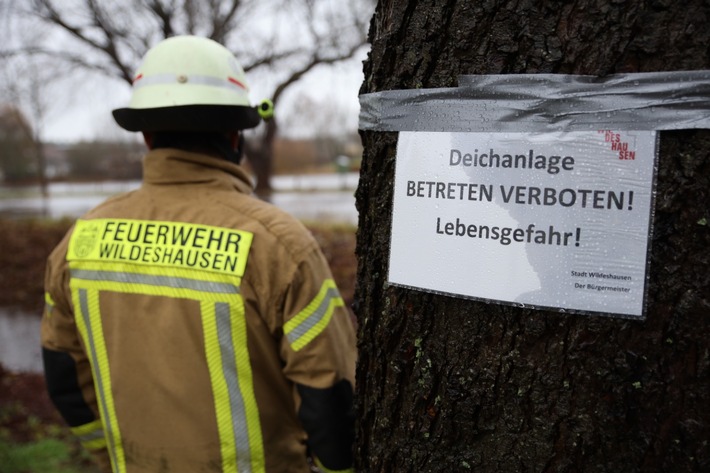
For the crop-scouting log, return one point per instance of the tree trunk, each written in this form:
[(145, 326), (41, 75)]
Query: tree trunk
[(261, 158), (41, 168), (448, 384)]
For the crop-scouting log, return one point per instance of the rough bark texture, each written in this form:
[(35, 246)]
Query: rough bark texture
[(261, 158), (446, 384)]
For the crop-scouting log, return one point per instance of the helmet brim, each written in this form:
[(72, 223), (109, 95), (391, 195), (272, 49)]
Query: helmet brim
[(188, 118)]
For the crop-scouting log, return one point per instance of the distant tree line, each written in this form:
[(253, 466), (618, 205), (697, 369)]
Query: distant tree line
[(121, 160), (16, 146), (77, 161)]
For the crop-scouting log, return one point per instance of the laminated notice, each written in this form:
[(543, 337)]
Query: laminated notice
[(547, 220), (532, 189)]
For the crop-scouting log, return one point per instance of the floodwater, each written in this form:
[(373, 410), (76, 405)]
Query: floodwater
[(322, 198), (19, 341)]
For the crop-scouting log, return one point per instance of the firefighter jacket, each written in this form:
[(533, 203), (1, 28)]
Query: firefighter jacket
[(190, 327)]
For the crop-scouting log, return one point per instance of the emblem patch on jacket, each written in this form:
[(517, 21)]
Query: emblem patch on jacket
[(85, 238)]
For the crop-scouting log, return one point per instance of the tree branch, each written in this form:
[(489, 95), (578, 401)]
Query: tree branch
[(110, 46), (165, 15), (222, 25), (316, 60)]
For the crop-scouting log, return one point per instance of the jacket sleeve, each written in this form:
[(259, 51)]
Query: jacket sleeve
[(318, 348), (66, 367)]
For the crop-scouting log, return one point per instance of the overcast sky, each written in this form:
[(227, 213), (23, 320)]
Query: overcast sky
[(79, 102), (87, 113)]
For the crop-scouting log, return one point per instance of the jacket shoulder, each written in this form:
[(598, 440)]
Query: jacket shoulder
[(278, 227)]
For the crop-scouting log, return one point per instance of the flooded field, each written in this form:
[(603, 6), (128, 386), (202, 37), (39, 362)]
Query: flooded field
[(19, 341), (320, 197)]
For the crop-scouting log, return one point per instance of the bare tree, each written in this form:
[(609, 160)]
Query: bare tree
[(27, 83), (15, 146), (286, 39)]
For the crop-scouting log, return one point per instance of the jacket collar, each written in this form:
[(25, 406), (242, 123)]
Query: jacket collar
[(172, 166)]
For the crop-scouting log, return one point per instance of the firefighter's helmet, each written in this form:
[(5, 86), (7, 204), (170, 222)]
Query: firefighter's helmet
[(189, 83)]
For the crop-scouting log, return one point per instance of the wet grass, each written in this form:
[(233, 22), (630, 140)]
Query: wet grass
[(33, 439), (46, 455)]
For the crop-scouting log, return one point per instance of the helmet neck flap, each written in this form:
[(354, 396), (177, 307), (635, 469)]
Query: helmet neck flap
[(214, 144)]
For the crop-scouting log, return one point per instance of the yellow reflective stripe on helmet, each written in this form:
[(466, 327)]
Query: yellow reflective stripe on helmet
[(88, 319), (312, 320), (91, 435), (225, 333)]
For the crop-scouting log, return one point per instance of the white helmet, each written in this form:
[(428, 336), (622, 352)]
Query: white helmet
[(189, 83)]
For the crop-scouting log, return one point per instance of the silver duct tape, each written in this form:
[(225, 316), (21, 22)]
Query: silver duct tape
[(546, 103)]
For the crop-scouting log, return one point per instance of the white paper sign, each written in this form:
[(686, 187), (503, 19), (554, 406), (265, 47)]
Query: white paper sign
[(557, 220)]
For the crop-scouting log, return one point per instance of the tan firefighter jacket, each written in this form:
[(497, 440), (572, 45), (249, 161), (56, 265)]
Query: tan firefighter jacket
[(191, 327)]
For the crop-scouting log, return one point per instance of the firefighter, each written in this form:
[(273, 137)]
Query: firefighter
[(190, 326)]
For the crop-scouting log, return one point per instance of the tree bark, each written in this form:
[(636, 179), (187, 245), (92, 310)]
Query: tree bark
[(447, 384), (261, 158)]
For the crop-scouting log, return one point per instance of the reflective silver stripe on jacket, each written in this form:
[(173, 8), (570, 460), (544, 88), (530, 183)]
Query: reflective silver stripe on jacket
[(231, 362), (156, 280)]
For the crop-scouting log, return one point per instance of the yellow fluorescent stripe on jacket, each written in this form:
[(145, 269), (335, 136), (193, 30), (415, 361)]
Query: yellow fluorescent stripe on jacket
[(225, 335), (49, 303), (312, 320), (91, 435), (230, 371), (86, 301)]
